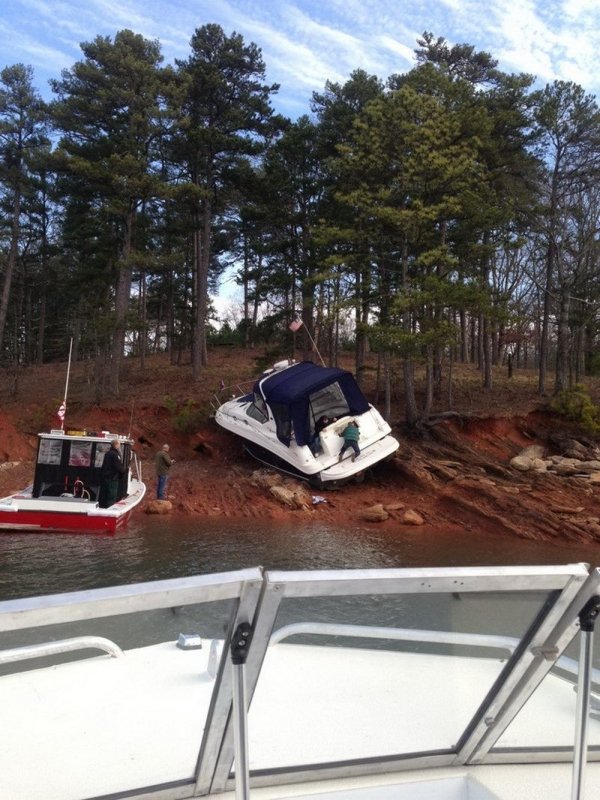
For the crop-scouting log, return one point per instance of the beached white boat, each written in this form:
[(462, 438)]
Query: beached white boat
[(277, 420), (65, 494), (473, 683)]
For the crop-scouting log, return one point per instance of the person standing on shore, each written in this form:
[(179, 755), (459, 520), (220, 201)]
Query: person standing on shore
[(162, 463)]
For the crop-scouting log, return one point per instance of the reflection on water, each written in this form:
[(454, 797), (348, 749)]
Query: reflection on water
[(154, 548)]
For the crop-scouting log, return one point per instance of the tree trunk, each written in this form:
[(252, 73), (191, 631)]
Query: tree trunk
[(551, 254), (362, 315), (562, 343), (410, 401), (246, 290), (122, 295), (487, 354), (429, 385), (464, 337), (11, 264), (197, 269), (408, 371), (203, 283), (387, 387), (545, 332), (43, 284), (450, 398), (143, 319)]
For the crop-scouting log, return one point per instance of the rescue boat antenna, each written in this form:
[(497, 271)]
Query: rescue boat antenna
[(64, 404)]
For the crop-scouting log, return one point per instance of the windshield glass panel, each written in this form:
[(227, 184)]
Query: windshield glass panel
[(131, 690), (558, 693), (414, 668), (257, 408)]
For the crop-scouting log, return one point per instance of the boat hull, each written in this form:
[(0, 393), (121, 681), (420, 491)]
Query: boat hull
[(337, 474), (388, 694), (27, 514), (53, 522)]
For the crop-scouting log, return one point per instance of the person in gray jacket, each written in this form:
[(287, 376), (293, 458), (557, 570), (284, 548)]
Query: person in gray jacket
[(162, 462)]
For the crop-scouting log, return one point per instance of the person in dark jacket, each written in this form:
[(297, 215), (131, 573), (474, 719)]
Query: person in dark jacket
[(111, 470)]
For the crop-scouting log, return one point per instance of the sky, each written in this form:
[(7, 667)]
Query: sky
[(307, 42)]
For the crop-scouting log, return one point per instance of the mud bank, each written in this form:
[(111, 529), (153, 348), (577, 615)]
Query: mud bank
[(457, 477)]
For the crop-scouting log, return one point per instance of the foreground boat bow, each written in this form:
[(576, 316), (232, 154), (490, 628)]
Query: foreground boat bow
[(438, 684)]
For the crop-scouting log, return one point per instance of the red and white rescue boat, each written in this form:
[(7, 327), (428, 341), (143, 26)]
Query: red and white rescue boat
[(65, 495)]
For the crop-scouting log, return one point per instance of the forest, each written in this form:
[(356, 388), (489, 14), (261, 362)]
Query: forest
[(445, 215)]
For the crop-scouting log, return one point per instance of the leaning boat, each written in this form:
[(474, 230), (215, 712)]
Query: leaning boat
[(65, 493), (277, 419), (476, 683)]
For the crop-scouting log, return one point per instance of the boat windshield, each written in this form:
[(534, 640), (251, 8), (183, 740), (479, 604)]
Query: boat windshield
[(345, 672), (257, 409)]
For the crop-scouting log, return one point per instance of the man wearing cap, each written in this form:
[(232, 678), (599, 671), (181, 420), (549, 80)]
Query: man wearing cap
[(163, 463)]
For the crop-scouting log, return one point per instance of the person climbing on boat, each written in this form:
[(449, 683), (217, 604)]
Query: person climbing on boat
[(111, 470), (162, 462), (350, 435)]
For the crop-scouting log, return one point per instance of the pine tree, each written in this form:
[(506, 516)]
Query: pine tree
[(109, 110), (222, 113), (23, 130)]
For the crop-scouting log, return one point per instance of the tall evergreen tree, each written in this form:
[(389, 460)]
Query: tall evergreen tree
[(109, 110), (23, 127), (224, 114), (408, 175)]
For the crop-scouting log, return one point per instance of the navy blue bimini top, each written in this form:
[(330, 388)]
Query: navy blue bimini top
[(287, 393)]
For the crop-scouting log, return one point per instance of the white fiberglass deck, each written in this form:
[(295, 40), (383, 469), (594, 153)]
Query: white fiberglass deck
[(368, 711), (137, 720)]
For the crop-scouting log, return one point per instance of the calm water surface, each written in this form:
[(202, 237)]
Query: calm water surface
[(154, 548)]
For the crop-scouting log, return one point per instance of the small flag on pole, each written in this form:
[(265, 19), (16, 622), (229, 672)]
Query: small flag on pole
[(295, 325), (62, 411)]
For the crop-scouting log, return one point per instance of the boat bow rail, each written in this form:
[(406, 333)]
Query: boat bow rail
[(445, 667)]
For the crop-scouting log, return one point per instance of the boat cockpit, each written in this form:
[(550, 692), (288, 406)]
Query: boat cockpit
[(68, 464)]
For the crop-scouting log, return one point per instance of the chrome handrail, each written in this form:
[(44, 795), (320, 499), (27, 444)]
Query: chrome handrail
[(507, 643), (60, 646), (224, 394)]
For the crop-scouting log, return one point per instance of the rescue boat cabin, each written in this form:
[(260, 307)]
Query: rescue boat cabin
[(69, 464)]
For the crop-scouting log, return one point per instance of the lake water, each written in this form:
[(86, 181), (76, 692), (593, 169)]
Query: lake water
[(154, 548)]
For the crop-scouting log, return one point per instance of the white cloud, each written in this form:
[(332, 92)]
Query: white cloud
[(307, 42), (302, 65), (28, 49), (398, 48), (579, 10), (543, 42)]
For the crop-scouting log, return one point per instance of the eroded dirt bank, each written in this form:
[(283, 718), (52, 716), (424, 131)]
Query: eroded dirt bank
[(459, 476)]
